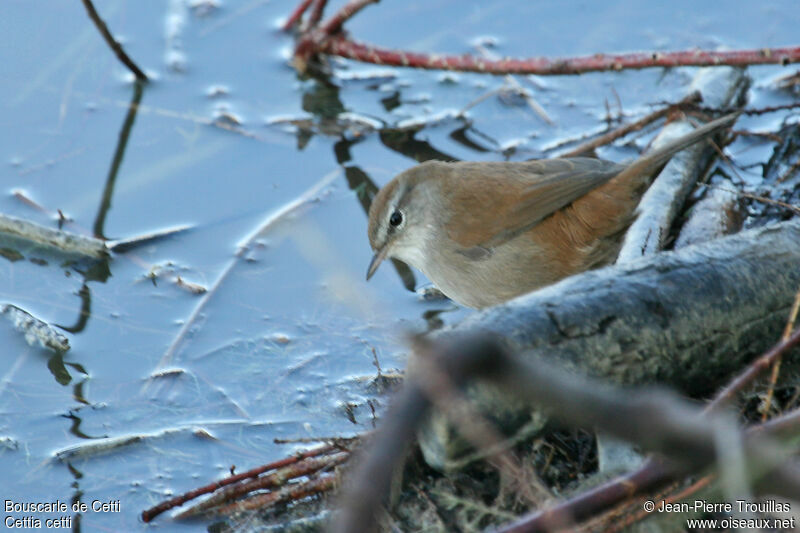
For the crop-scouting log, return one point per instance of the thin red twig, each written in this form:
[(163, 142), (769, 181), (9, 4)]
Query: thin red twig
[(755, 368), (295, 492), (776, 365), (316, 13), (315, 36), (328, 38), (294, 18), (279, 478), (341, 46), (177, 501), (334, 24)]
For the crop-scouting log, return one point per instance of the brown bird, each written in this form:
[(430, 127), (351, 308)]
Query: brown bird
[(487, 232)]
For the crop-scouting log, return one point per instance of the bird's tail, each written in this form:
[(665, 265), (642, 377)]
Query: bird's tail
[(649, 162)]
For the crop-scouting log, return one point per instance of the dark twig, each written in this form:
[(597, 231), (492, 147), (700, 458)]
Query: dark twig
[(116, 162), (112, 43), (753, 111), (622, 131), (792, 169), (763, 199)]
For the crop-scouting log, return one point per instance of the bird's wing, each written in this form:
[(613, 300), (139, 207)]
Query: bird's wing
[(505, 199)]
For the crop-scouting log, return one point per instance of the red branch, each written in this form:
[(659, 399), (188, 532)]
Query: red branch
[(220, 501), (341, 46), (328, 38), (334, 24), (294, 18), (316, 13), (153, 512), (296, 492)]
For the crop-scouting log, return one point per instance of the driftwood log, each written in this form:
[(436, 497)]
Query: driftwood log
[(685, 319), (720, 88)]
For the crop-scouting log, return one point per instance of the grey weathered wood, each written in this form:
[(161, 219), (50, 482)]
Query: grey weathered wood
[(656, 213), (686, 319), (720, 87), (718, 213), (64, 241)]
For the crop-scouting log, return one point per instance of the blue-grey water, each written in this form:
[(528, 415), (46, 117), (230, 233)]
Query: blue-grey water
[(283, 346)]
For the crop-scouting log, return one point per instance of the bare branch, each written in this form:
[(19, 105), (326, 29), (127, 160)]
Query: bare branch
[(112, 43)]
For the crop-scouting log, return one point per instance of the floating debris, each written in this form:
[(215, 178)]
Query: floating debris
[(111, 444), (280, 338), (65, 241), (435, 119), (217, 91), (449, 78), (203, 8), (381, 75), (7, 443), (101, 446), (11, 254), (431, 294), (35, 330), (123, 245), (224, 116), (789, 82), (194, 288)]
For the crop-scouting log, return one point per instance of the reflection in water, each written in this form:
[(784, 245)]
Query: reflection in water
[(57, 368), (77, 391), (75, 428), (403, 140), (127, 125), (391, 102), (76, 497), (100, 270), (86, 309), (323, 101), (365, 190), (459, 135)]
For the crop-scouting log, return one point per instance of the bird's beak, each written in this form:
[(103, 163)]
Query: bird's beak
[(377, 259)]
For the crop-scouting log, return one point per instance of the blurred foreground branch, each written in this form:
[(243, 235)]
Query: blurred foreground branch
[(657, 420)]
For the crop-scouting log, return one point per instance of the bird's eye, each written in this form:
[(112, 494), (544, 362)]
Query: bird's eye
[(396, 219)]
